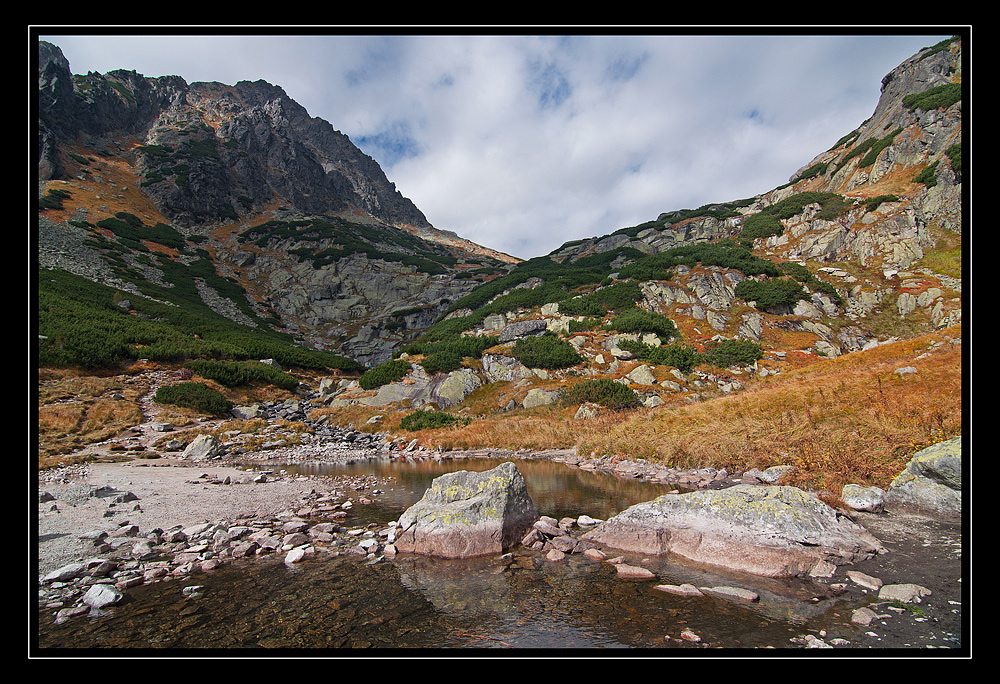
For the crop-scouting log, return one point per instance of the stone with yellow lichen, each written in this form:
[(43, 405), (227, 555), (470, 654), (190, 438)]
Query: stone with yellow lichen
[(772, 531), (465, 514)]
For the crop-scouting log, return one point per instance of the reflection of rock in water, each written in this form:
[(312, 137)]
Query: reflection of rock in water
[(466, 587)]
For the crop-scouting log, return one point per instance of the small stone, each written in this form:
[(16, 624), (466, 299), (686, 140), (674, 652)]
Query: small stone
[(101, 595), (733, 592), (632, 572), (679, 589), (905, 593), (866, 581), (555, 555)]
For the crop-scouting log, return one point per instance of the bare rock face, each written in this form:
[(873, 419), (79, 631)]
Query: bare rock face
[(466, 514), (772, 531)]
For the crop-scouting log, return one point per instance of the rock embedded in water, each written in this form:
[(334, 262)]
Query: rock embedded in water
[(465, 514), (101, 595), (772, 531)]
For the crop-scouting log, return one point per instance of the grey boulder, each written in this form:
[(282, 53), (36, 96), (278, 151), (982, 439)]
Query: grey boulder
[(771, 531), (931, 481), (465, 514)]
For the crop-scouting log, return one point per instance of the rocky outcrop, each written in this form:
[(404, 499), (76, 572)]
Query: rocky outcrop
[(772, 531), (465, 514), (931, 481)]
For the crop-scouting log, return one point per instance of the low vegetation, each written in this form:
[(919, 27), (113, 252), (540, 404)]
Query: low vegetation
[(850, 419), (83, 324), (427, 420), (384, 373), (546, 351), (194, 395), (608, 393), (768, 222)]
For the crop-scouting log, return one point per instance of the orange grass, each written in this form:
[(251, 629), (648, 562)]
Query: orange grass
[(848, 419)]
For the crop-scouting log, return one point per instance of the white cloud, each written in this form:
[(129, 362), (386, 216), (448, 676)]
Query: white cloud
[(523, 142)]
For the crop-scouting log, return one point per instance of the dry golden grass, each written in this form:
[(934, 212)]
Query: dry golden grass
[(847, 419), (75, 410)]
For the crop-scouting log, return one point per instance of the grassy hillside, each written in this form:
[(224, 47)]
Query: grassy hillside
[(853, 418), (80, 324)]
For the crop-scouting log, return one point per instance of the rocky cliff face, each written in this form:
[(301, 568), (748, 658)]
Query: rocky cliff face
[(213, 162)]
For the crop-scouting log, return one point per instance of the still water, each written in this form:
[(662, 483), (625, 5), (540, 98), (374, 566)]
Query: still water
[(521, 601)]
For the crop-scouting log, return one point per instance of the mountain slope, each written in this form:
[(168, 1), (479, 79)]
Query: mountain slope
[(144, 178), (861, 247), (278, 223)]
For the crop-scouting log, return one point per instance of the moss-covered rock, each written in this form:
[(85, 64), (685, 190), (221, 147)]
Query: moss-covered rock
[(466, 514)]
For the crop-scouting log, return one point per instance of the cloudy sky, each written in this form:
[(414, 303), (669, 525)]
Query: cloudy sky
[(522, 142)]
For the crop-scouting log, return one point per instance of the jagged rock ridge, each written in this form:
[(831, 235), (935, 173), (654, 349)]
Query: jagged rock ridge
[(215, 163)]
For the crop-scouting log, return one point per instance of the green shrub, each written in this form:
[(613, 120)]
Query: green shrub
[(955, 155), (53, 199), (617, 297), (607, 393), (680, 357), (767, 222), (771, 292), (927, 176), (546, 351), (193, 395), (731, 353), (423, 420), (805, 276), (383, 374), (934, 98), (873, 203), (584, 325), (240, 374), (761, 225), (443, 361), (640, 321)]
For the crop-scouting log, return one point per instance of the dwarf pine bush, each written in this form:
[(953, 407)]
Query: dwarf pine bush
[(193, 395), (607, 393), (384, 373)]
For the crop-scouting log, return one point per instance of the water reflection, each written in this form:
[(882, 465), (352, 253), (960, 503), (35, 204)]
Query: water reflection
[(412, 602), (557, 490)]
